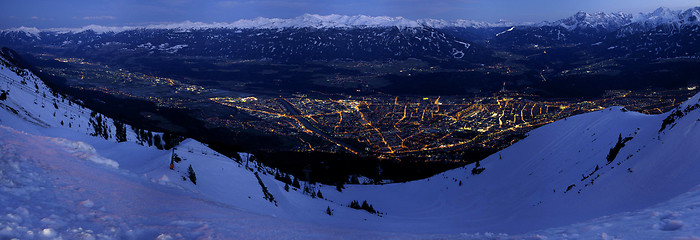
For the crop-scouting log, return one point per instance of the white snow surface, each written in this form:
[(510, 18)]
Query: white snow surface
[(58, 182)]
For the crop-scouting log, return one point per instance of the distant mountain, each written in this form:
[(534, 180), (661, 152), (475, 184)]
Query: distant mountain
[(663, 33), (308, 37), (601, 22), (360, 37), (376, 43), (303, 21), (663, 19)]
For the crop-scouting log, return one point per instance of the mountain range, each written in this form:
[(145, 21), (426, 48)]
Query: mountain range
[(316, 37), (580, 20)]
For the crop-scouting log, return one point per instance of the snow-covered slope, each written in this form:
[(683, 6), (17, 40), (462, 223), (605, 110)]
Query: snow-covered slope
[(611, 173), (50, 189)]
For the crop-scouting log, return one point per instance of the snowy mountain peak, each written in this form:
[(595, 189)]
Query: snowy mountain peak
[(665, 16), (30, 31), (599, 20), (658, 16), (663, 12), (303, 21), (667, 19), (462, 23), (342, 21), (318, 21), (691, 16)]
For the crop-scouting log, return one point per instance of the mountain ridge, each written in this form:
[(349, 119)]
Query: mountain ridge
[(579, 20)]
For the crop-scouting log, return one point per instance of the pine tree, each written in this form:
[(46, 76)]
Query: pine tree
[(168, 141), (286, 187), (354, 180), (192, 175), (354, 204), (329, 211), (120, 131), (149, 138), (365, 205), (319, 195), (477, 168), (171, 140), (368, 207), (308, 188), (287, 179), (176, 158), (339, 186), (296, 183), (157, 142)]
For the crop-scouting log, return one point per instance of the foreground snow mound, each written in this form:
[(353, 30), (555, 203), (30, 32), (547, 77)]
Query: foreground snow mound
[(678, 218)]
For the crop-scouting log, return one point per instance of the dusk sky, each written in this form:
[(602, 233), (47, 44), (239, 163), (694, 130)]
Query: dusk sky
[(77, 13)]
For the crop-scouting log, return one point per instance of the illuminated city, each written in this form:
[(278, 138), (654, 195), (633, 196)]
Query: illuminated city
[(376, 125)]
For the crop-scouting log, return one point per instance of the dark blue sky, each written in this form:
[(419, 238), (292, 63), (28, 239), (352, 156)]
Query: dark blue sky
[(76, 13)]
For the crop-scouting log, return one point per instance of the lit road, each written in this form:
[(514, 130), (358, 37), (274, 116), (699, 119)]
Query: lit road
[(296, 114)]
